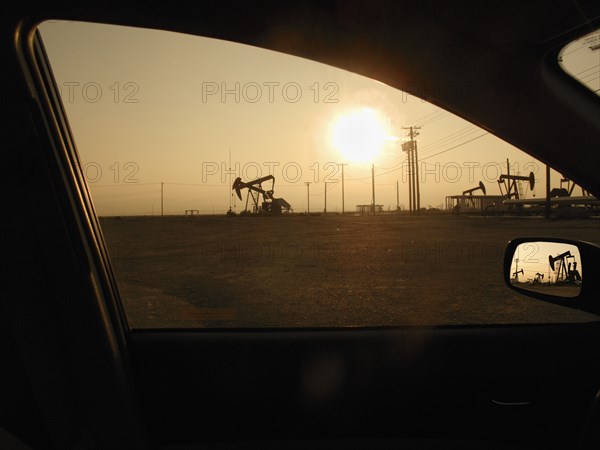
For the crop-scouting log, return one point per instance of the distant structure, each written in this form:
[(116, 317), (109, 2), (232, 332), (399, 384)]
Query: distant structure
[(469, 203), (558, 197), (369, 209)]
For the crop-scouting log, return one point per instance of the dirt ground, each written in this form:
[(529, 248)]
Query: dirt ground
[(326, 271)]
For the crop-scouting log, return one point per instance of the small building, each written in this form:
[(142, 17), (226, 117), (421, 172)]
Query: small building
[(369, 209)]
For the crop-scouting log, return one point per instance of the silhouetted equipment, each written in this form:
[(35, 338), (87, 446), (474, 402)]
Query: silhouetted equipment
[(369, 209), (559, 192), (566, 271), (559, 197), (269, 204), (570, 186), (469, 203), (509, 187), (470, 191), (588, 200), (538, 278), (516, 275), (469, 200)]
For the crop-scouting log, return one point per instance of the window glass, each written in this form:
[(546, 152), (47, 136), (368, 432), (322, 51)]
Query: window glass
[(581, 60), (239, 187)]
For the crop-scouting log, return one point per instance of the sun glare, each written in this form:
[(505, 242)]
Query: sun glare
[(359, 135)]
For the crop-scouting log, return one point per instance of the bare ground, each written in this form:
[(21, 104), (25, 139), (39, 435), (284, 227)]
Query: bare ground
[(332, 271)]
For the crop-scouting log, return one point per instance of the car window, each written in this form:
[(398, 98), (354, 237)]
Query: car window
[(239, 187)]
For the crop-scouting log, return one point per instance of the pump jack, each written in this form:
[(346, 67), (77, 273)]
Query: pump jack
[(469, 192), (508, 184), (476, 188), (566, 272), (516, 275), (269, 204)]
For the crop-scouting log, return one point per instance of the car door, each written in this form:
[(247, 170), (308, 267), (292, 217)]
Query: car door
[(94, 380)]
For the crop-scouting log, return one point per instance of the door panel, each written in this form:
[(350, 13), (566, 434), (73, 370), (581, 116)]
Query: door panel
[(530, 384)]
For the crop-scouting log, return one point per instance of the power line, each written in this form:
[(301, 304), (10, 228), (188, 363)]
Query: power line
[(443, 113), (451, 137), (434, 119), (456, 146), (432, 146), (589, 68), (400, 166)]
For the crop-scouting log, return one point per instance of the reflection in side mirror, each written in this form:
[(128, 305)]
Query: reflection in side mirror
[(550, 268)]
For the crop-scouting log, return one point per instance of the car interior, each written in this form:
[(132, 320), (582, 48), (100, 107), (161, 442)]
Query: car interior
[(75, 375)]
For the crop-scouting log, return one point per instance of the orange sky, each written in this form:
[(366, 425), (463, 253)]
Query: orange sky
[(150, 107)]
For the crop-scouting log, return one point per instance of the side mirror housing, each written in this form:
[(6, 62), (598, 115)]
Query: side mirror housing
[(559, 271)]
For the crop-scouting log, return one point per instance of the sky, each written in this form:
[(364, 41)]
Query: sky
[(154, 110)]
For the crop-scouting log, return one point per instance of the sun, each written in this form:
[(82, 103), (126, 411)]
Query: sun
[(359, 135)]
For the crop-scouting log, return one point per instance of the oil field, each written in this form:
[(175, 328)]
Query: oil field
[(268, 266), (326, 271)]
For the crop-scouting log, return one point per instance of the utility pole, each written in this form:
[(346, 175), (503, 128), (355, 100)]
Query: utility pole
[(162, 185), (325, 209), (373, 187), (231, 200), (307, 196), (397, 197), (410, 179), (413, 170), (343, 164), (547, 206), (417, 175)]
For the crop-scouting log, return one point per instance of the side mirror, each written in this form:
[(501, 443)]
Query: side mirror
[(560, 271)]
